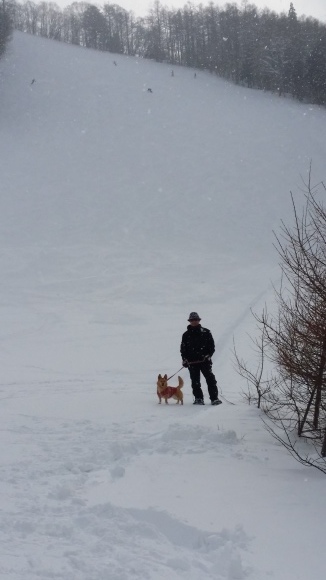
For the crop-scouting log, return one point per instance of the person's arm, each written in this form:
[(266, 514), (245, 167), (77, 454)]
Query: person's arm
[(210, 344), (183, 350), (183, 347)]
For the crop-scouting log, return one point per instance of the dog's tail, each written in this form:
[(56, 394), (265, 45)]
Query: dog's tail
[(181, 382)]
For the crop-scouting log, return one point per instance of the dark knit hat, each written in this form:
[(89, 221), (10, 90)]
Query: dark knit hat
[(193, 316)]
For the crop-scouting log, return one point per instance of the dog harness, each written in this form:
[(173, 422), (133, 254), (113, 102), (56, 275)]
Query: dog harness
[(168, 392)]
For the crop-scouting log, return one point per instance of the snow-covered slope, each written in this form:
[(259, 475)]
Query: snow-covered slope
[(121, 210)]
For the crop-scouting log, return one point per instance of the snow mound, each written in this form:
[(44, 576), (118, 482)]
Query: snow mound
[(68, 540)]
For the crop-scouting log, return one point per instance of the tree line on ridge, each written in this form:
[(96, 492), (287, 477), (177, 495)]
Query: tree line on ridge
[(255, 48)]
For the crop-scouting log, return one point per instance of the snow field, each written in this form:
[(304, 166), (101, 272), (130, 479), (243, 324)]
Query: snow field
[(121, 211)]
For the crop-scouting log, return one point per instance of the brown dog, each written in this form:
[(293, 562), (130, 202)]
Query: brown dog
[(165, 392)]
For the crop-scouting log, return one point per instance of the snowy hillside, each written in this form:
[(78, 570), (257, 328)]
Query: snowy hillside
[(122, 210)]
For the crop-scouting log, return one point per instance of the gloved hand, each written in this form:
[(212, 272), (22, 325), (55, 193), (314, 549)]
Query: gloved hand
[(185, 363), (207, 358)]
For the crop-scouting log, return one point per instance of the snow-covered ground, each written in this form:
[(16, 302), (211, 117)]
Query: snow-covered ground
[(121, 211)]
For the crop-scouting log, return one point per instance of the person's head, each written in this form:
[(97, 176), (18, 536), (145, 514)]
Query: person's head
[(194, 319)]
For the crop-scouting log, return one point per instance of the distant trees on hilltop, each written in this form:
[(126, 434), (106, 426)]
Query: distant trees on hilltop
[(256, 48), (5, 25)]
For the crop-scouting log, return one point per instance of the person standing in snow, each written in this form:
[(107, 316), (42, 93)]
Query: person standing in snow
[(197, 348)]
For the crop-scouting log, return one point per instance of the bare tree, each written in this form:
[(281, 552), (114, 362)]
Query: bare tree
[(257, 386), (293, 338)]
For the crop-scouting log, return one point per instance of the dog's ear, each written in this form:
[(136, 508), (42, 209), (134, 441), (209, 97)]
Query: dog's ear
[(166, 376), (159, 376)]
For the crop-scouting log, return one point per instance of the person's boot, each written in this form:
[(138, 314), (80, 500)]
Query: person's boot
[(199, 402)]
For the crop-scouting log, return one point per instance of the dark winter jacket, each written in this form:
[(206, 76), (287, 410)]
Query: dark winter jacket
[(197, 342)]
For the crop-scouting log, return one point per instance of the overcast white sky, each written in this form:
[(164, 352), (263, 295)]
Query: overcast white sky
[(316, 8)]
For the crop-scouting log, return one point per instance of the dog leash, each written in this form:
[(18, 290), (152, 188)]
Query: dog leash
[(222, 396), (194, 362), (225, 399), (175, 373)]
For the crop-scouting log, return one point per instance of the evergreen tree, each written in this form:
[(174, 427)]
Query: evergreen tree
[(95, 28), (317, 71)]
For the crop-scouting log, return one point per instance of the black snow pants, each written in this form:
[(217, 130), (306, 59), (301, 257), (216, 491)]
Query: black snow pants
[(206, 368)]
